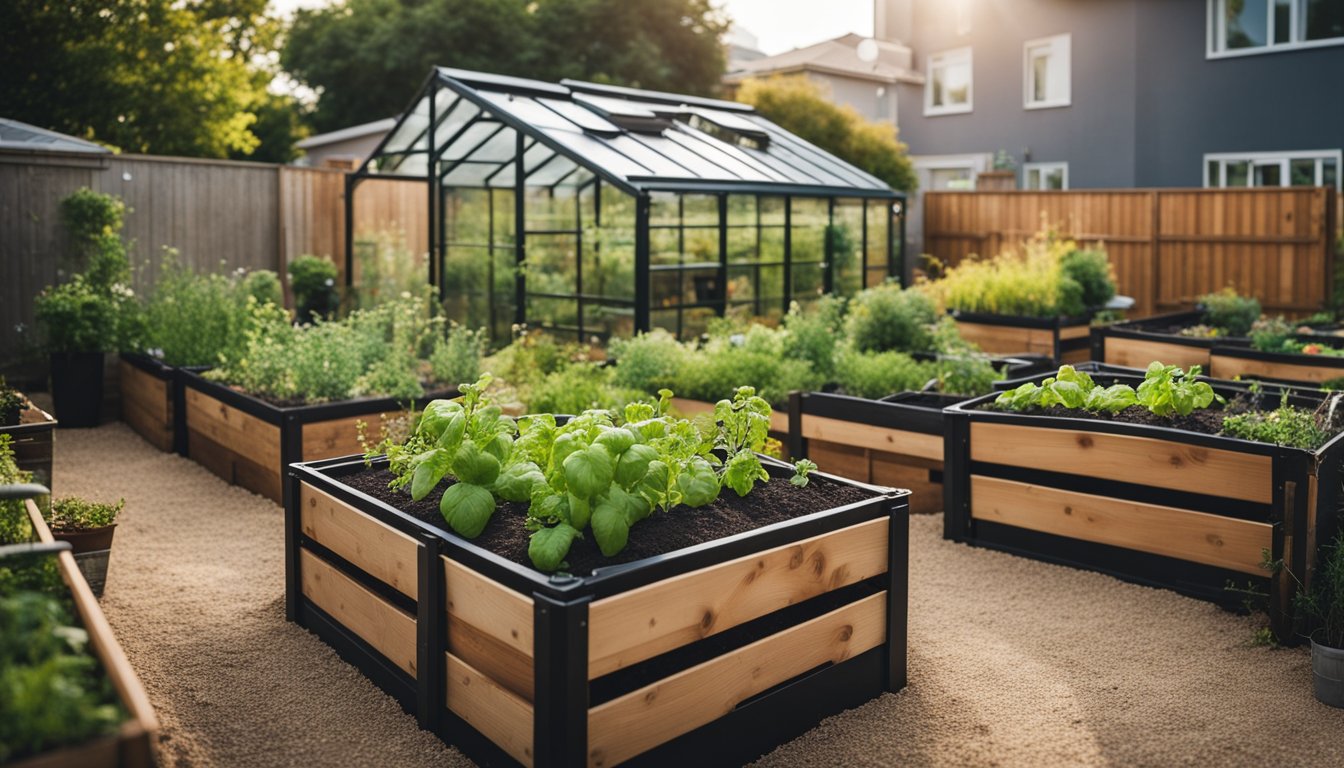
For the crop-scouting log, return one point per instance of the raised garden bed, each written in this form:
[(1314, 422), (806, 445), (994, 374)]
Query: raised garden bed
[(132, 745), (249, 441), (32, 442), (1228, 362), (1066, 340), (712, 653), (1152, 504), (1136, 343), (152, 400)]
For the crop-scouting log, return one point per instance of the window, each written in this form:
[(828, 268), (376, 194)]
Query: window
[(1045, 80), (1045, 176), (1239, 27), (948, 89), (1273, 169)]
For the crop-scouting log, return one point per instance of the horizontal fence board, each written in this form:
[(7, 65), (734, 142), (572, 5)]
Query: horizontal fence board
[(1184, 534)]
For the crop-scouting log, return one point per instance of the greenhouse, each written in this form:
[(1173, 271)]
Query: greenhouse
[(596, 211)]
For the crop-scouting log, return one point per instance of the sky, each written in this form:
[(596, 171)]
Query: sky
[(779, 25)]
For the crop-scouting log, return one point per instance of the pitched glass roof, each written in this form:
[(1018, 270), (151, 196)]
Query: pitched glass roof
[(640, 141)]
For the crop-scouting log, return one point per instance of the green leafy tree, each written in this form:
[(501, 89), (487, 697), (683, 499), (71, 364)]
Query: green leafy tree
[(364, 57), (148, 76), (799, 105)]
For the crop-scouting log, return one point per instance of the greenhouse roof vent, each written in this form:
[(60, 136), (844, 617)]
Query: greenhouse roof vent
[(725, 126)]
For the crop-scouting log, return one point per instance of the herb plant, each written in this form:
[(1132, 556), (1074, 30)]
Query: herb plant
[(888, 318), (14, 525), (1323, 605), (1286, 425), (75, 514), (590, 474), (1227, 310), (11, 404), (194, 319)]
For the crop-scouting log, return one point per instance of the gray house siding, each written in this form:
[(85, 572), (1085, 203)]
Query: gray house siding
[(1146, 102), (1189, 104)]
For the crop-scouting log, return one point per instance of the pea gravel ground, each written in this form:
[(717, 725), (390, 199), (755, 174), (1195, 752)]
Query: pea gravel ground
[(1012, 662)]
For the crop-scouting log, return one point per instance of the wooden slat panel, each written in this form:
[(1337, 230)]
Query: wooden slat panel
[(861, 435), (501, 716), (241, 433), (1138, 353), (234, 468), (1006, 339), (842, 460), (151, 393), (382, 625), (338, 437), (379, 550), (136, 734), (926, 496), (490, 607), (1075, 331), (642, 623), (638, 721), (779, 420), (1230, 366), (502, 663), (1180, 533), (1144, 460)]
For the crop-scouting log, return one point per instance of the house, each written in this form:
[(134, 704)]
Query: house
[(869, 86), (346, 148), (1122, 93)]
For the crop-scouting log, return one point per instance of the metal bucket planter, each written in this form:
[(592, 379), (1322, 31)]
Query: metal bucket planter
[(92, 549), (1327, 674), (516, 667)]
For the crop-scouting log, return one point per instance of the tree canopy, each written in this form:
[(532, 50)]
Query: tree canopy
[(798, 105), (365, 58), (152, 76)]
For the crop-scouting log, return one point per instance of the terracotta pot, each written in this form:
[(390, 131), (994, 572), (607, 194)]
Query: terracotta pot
[(90, 540)]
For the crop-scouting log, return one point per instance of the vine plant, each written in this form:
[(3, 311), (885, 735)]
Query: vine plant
[(593, 474)]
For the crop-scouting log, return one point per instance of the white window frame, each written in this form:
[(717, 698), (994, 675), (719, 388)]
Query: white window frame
[(949, 109), (1268, 158), (1215, 32), (1042, 169), (1061, 46)]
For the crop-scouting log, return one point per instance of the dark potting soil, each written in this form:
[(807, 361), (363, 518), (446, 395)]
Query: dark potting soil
[(430, 388), (660, 533), (1207, 421)]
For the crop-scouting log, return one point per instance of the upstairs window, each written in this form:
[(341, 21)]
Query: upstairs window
[(948, 88), (1239, 27), (1273, 169), (1045, 176), (1046, 75)]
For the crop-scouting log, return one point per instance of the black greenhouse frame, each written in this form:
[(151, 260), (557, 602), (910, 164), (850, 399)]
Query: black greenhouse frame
[(599, 211)]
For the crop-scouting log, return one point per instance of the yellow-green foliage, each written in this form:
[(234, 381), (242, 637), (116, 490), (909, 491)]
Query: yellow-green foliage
[(1033, 282)]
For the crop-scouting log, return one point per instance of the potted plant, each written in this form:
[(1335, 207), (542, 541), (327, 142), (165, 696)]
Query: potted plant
[(295, 393), (191, 322), (1323, 606), (1038, 302), (90, 314), (313, 280), (557, 592), (1166, 478), (88, 526), (1221, 319)]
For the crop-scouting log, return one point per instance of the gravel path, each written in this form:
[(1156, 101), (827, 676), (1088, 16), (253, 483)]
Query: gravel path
[(1012, 662)]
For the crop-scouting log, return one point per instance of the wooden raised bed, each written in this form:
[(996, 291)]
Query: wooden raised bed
[(249, 442), (1066, 340), (32, 440), (132, 745), (516, 667), (152, 400), (1136, 343), (896, 441), (1159, 506), (1231, 362)]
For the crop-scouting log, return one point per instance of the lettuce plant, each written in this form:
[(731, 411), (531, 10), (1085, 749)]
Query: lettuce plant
[(1166, 390)]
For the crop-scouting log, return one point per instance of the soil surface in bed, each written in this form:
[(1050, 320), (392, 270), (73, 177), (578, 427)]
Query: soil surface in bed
[(660, 533)]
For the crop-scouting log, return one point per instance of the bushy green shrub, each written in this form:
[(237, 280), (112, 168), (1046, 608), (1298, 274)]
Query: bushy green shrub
[(878, 374), (456, 357), (264, 286), (313, 281), (970, 375), (193, 319), (1091, 270), (1286, 425), (14, 525), (815, 333), (718, 371), (578, 388), (887, 318), (649, 362), (1230, 311), (1271, 334)]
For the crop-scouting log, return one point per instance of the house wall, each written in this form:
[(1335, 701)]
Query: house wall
[(861, 95), (1095, 134), (1189, 104)]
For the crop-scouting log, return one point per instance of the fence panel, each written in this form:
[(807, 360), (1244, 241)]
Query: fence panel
[(1168, 245)]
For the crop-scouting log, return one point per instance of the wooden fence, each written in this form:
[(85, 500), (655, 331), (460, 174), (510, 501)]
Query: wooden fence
[(1168, 246), (217, 214)]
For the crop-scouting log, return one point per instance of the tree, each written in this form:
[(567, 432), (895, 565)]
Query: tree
[(365, 58), (159, 76), (799, 105)]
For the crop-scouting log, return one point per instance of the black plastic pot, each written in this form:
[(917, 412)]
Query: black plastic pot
[(77, 387)]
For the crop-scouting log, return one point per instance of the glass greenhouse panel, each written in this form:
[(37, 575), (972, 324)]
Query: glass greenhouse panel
[(552, 264), (550, 210), (846, 245), (664, 246), (879, 230), (454, 121), (607, 321)]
